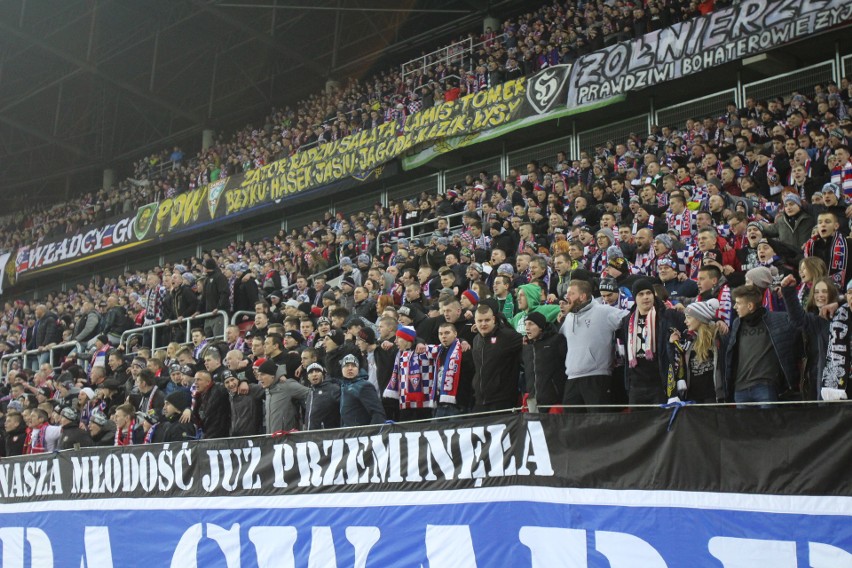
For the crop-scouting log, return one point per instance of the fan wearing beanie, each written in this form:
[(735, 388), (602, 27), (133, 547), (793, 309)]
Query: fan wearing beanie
[(646, 331), (544, 369), (697, 362), (411, 378), (762, 277), (171, 429)]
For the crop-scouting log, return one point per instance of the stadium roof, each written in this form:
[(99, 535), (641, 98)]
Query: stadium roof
[(91, 84)]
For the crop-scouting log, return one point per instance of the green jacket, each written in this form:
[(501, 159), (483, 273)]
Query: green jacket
[(533, 294)]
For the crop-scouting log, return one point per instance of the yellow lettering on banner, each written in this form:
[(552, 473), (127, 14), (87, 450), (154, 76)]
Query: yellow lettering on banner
[(357, 153), (191, 207), (177, 208), (163, 214), (480, 99), (495, 96), (233, 200)]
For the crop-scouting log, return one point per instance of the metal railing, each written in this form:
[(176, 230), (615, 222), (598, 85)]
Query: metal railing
[(239, 313), (410, 228), (174, 323), (447, 55), (26, 356), (710, 105)]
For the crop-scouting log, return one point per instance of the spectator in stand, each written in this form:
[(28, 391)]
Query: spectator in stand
[(15, 434), (543, 358), (643, 332), (589, 329), (322, 408), (246, 408), (215, 298), (497, 358), (45, 333), (697, 356), (211, 411), (359, 401), (282, 398), (760, 360)]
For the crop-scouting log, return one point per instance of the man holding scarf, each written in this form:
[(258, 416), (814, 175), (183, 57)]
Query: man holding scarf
[(447, 363), (644, 332)]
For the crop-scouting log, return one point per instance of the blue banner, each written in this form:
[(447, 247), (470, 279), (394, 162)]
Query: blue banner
[(705, 487), (493, 532)]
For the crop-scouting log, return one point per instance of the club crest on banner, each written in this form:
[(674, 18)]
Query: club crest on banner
[(144, 218), (214, 193), (544, 89)]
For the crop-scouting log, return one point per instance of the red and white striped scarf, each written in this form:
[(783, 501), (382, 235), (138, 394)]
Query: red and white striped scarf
[(648, 339)]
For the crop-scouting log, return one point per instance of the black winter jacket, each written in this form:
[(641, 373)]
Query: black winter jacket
[(322, 408), (666, 319), (497, 358), (544, 367)]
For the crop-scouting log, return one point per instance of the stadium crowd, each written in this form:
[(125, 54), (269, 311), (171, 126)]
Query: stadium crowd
[(707, 262), (552, 34)]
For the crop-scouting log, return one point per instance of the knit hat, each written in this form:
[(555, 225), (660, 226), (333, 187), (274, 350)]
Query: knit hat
[(139, 361), (315, 367), (349, 360), (761, 276), (368, 335), (90, 394), (538, 319), (345, 261), (705, 312), (323, 320), (337, 336), (665, 239), (608, 285), (666, 261), (180, 399), (616, 260), (70, 414), (174, 368), (349, 281), (268, 367), (98, 418), (607, 233), (794, 197), (478, 267), (293, 334), (406, 333), (506, 268), (471, 296), (756, 225), (832, 188), (641, 285)]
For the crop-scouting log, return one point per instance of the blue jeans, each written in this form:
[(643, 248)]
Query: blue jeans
[(763, 392)]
